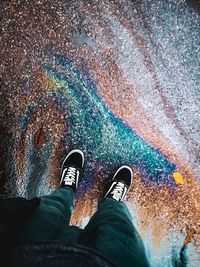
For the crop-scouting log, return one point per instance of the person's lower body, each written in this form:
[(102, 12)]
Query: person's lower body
[(112, 233)]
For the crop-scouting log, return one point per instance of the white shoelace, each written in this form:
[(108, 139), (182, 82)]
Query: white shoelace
[(70, 176), (119, 191)]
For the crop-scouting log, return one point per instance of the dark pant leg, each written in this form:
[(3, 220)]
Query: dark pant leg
[(111, 232), (52, 217)]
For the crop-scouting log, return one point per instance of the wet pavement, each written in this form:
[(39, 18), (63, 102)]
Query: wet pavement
[(119, 80)]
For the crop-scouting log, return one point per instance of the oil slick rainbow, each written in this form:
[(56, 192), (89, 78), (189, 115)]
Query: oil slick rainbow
[(91, 125)]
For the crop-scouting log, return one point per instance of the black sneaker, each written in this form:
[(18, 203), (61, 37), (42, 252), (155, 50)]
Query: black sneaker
[(72, 168), (120, 184)]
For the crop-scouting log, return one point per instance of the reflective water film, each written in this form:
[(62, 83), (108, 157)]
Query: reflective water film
[(119, 80)]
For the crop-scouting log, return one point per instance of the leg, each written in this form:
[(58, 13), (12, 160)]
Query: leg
[(51, 218), (111, 232)]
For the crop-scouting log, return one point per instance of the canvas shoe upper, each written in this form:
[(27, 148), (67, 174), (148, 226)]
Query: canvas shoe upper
[(120, 183)]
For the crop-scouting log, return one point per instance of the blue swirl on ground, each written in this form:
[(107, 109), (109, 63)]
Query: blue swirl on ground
[(94, 128)]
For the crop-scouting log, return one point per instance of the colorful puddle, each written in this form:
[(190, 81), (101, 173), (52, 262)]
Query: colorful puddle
[(121, 82)]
